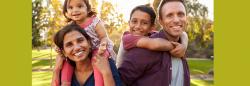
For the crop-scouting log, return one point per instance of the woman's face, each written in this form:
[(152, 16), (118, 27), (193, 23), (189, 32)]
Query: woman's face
[(140, 23), (76, 46)]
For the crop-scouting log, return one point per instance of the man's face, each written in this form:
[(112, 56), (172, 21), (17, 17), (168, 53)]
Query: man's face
[(173, 18)]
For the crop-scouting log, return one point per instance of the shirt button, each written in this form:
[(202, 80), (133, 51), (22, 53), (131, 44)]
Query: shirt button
[(170, 68)]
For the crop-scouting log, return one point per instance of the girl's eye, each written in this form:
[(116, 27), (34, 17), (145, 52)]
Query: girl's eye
[(80, 6)]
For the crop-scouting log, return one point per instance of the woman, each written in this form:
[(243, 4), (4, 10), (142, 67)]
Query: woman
[(75, 45)]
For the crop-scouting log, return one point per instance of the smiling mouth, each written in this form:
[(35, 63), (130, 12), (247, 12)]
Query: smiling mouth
[(79, 53)]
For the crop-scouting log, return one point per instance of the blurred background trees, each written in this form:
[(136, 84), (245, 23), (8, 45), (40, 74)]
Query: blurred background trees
[(47, 18)]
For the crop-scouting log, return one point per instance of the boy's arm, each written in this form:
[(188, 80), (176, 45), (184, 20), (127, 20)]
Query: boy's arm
[(157, 44)]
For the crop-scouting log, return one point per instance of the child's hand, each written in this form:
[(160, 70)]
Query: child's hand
[(179, 50), (102, 48)]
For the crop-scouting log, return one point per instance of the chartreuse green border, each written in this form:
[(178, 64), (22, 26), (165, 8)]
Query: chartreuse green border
[(15, 42), (232, 43)]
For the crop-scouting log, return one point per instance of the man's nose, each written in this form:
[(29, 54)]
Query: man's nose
[(176, 19)]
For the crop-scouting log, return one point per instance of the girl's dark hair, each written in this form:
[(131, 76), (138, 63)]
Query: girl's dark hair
[(147, 9), (59, 37), (166, 1), (89, 9)]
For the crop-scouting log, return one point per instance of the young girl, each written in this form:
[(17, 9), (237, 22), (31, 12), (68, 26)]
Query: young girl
[(79, 12), (141, 23)]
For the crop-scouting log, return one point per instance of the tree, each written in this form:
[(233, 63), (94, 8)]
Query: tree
[(114, 22), (39, 22)]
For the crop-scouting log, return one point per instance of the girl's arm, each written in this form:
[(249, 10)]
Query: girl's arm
[(102, 34)]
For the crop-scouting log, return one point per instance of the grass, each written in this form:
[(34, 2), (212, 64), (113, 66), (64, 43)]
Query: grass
[(41, 78), (196, 82), (44, 78), (43, 53), (200, 66)]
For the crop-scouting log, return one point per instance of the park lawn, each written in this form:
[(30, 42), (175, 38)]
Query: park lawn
[(45, 53), (41, 78), (197, 82), (200, 66)]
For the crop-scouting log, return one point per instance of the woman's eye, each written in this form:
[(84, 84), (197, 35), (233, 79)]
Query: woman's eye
[(80, 40), (68, 44)]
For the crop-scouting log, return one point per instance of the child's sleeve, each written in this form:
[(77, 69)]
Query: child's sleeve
[(130, 41)]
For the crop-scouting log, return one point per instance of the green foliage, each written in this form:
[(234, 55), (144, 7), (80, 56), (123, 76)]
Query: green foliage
[(39, 22)]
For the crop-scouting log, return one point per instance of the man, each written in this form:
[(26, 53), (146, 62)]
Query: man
[(142, 67)]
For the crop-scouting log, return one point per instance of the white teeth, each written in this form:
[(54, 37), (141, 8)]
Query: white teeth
[(78, 53)]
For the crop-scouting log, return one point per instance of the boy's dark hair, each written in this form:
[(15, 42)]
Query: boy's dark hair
[(147, 9), (59, 36), (89, 9), (166, 1)]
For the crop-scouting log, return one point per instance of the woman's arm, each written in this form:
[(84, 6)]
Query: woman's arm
[(103, 66), (56, 72)]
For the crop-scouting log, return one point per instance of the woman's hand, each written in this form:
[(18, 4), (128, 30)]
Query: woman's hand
[(101, 62)]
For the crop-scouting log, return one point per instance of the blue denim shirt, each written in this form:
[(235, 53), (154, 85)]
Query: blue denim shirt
[(143, 67)]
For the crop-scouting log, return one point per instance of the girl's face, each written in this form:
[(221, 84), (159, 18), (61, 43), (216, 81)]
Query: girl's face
[(76, 46), (77, 10), (140, 23)]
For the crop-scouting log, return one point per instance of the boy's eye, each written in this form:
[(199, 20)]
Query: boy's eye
[(70, 7), (133, 21)]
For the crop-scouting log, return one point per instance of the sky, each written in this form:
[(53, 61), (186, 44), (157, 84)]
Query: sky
[(125, 6)]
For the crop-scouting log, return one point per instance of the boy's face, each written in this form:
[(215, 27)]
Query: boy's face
[(139, 23), (173, 18), (77, 10)]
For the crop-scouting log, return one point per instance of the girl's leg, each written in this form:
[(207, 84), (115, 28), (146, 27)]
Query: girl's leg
[(66, 74)]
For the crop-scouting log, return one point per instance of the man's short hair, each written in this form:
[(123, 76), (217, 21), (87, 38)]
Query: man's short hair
[(166, 1)]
